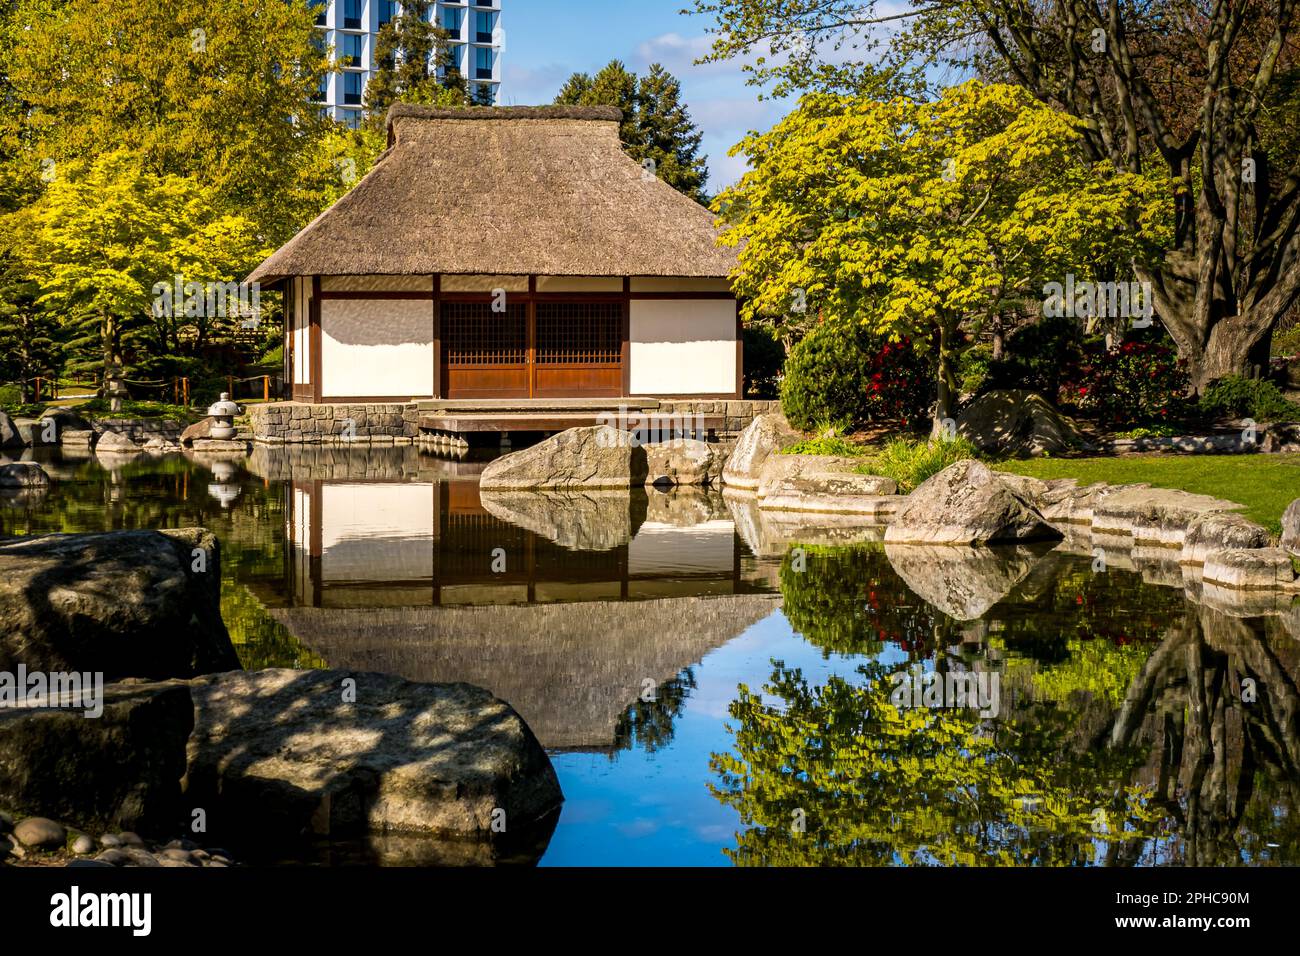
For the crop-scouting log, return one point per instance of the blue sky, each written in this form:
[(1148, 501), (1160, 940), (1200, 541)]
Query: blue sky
[(547, 40)]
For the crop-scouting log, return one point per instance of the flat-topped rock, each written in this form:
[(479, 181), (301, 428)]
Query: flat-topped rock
[(764, 436), (789, 475), (340, 752), (1158, 515), (1262, 568), (966, 504), (1221, 531)]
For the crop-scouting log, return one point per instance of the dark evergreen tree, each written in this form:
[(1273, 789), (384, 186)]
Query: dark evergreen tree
[(410, 51)]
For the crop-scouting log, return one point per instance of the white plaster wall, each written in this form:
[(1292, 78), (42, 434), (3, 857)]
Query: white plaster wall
[(377, 348), (377, 531), (301, 326), (683, 346)]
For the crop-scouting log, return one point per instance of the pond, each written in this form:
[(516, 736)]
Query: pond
[(716, 687)]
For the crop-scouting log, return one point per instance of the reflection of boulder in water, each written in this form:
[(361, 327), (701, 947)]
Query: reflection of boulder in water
[(962, 582), (684, 506), (770, 534), (570, 670), (343, 462), (580, 521)]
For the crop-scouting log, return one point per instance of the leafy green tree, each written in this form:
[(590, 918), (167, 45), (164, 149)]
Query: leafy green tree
[(1206, 94), (656, 124), (105, 235), (918, 217), (409, 51), (220, 90), (28, 346)]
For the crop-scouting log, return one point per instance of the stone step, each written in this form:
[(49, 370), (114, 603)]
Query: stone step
[(534, 405)]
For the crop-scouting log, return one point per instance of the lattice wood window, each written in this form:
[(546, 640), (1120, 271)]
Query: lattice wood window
[(573, 333), (473, 334)]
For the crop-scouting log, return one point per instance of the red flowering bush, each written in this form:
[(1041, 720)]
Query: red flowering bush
[(1136, 383), (842, 372)]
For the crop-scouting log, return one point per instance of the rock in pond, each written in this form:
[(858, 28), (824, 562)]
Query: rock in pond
[(346, 752), (580, 459), (1258, 568), (115, 443), (1017, 423), (683, 461), (200, 429), (763, 436), (120, 769), (1220, 531), (124, 603), (23, 474), (969, 504)]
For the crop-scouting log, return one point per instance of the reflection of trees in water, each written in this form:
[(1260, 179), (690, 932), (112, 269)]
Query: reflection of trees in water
[(1225, 767), (880, 786), (850, 601), (649, 723), (1182, 771)]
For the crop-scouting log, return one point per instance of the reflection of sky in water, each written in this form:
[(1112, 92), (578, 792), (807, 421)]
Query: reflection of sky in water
[(655, 809)]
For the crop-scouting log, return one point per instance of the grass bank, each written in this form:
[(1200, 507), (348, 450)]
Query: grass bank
[(1265, 484)]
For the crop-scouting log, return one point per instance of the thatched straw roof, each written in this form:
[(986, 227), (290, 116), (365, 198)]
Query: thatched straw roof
[(544, 190), (570, 670)]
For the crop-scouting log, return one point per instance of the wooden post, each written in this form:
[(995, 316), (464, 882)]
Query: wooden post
[(185, 390), (266, 388), (230, 385), (38, 390)]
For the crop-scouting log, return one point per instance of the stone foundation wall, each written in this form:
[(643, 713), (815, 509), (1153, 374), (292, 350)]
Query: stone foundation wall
[(299, 423), (739, 413)]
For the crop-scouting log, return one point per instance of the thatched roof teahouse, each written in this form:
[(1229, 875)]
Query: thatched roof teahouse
[(508, 252)]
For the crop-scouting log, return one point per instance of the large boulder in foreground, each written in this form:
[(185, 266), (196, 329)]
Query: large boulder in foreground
[(9, 434), (1018, 423), (969, 504), (764, 436), (120, 770), (284, 752), (591, 457), (125, 603)]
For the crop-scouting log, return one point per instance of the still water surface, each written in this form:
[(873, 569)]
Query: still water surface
[(717, 689)]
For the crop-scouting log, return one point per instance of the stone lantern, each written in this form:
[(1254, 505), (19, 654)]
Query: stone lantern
[(223, 418)]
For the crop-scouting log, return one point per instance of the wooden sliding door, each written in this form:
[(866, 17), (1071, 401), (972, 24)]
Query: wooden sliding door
[(534, 349)]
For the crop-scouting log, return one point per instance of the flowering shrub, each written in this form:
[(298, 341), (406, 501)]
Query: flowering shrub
[(1136, 383), (843, 372)]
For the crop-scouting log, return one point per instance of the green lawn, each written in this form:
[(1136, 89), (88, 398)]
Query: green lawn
[(1265, 484)]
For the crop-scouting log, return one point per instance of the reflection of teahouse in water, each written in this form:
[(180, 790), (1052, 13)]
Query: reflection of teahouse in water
[(572, 611)]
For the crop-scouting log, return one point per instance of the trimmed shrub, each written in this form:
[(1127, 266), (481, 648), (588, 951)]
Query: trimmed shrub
[(1257, 398), (842, 371)]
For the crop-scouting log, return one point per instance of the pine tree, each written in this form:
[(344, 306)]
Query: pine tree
[(656, 125)]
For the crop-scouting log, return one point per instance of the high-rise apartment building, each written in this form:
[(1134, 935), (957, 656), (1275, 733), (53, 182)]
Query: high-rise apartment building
[(351, 28)]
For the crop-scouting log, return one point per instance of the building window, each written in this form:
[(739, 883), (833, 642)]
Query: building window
[(352, 118), (352, 89), (482, 63), (322, 90), (351, 49), (484, 24), (352, 14), (322, 11), (451, 21), (387, 11)]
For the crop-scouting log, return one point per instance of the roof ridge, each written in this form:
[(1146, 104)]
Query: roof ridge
[(608, 114)]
